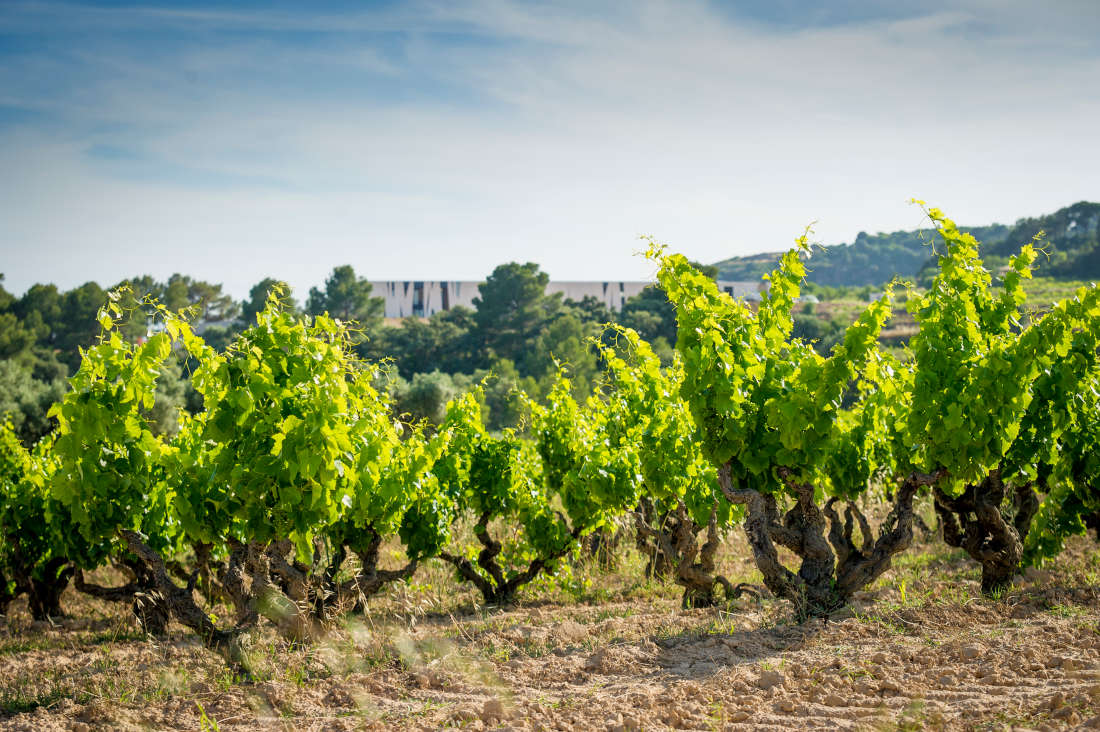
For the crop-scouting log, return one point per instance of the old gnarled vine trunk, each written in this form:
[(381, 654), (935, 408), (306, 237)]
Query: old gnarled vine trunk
[(368, 580), (673, 545), (977, 523), (141, 593), (248, 582), (181, 603), (833, 568), (647, 520), (43, 587), (495, 587)]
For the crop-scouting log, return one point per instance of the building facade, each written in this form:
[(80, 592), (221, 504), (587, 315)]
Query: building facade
[(424, 298)]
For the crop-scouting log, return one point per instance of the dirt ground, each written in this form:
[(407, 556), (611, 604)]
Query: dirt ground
[(920, 650)]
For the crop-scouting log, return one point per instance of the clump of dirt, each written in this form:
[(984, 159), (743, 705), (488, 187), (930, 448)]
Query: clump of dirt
[(921, 649)]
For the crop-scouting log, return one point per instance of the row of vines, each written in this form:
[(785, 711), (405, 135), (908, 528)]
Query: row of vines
[(276, 499)]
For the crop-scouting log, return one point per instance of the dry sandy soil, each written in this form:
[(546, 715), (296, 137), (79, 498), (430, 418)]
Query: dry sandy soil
[(920, 650)]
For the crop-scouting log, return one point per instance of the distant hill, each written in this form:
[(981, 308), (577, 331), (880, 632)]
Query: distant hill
[(1072, 241)]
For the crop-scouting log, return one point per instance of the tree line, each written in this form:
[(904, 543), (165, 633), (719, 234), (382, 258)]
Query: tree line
[(516, 332)]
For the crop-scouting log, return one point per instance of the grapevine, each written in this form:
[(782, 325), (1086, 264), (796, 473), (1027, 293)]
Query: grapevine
[(769, 414)]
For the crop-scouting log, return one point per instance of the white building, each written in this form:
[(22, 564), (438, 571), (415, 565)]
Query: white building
[(424, 298)]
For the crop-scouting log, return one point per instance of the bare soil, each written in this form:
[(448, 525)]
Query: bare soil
[(920, 650)]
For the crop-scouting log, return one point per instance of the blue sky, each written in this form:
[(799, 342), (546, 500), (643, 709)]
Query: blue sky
[(434, 140)]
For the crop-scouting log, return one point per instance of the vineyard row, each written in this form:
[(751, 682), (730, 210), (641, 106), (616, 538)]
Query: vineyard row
[(276, 498)]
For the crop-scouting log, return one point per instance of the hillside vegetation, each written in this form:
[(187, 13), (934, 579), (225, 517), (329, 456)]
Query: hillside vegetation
[(1071, 236)]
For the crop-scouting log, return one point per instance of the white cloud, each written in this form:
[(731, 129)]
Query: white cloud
[(556, 136)]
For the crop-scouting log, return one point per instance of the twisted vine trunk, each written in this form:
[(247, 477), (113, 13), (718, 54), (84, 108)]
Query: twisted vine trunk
[(929, 532), (181, 603), (692, 566), (495, 588), (283, 589), (141, 593), (248, 582), (315, 589), (294, 579), (43, 588), (832, 566), (976, 523), (368, 580), (211, 574), (246, 579), (44, 593), (648, 520)]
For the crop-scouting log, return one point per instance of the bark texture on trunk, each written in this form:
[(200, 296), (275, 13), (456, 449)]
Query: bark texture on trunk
[(369, 579), (140, 592), (676, 542), (647, 520), (180, 601), (832, 566), (976, 522)]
